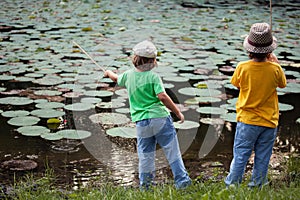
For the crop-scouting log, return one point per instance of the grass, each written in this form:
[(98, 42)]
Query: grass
[(286, 187)]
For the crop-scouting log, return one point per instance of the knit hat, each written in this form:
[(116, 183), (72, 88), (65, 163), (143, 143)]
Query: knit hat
[(145, 49), (260, 39)]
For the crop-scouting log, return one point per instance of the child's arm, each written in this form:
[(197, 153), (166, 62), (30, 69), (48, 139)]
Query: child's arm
[(272, 57), (167, 101), (110, 74)]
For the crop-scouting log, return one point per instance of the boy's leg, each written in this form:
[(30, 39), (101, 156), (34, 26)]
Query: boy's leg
[(146, 146), (167, 139), (244, 140), (263, 151)]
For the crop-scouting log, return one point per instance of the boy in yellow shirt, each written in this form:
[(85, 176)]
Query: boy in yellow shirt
[(257, 106)]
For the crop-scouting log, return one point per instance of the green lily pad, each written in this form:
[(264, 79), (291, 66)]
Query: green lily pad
[(125, 132), (190, 91), (47, 113), (298, 121), (52, 136), (285, 107), (109, 118), (23, 121), (108, 105), (49, 105), (98, 93), (90, 100), (15, 113), (229, 117), (16, 100), (212, 121), (47, 93), (74, 134), (33, 130), (79, 106), (211, 110), (186, 125)]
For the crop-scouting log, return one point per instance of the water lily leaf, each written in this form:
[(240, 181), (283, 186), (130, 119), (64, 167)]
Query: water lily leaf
[(52, 136), (47, 93), (125, 132), (23, 121), (186, 125), (33, 130), (90, 100), (74, 134), (47, 113), (285, 107), (190, 91), (16, 100), (298, 121), (109, 118), (212, 121), (50, 105), (108, 105), (79, 106), (229, 117), (211, 110), (15, 113), (98, 93), (6, 77)]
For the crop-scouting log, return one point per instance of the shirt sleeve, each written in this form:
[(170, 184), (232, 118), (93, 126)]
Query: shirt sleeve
[(158, 85), (235, 78), (281, 79), (122, 79)]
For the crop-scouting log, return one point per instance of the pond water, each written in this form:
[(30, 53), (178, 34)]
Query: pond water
[(199, 44)]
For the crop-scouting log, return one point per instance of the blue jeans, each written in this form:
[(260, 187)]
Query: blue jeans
[(161, 131), (247, 138)]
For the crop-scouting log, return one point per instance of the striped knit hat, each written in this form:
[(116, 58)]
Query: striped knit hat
[(260, 39)]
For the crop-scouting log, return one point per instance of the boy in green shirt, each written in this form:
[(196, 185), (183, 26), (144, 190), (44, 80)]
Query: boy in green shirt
[(148, 108)]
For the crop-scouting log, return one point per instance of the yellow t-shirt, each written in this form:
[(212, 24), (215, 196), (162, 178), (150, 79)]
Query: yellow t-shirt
[(258, 101)]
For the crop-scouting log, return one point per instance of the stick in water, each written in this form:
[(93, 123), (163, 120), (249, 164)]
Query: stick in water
[(89, 56)]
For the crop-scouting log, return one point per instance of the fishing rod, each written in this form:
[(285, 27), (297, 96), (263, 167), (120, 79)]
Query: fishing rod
[(271, 14), (89, 56)]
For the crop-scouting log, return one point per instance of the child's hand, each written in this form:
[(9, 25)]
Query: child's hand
[(272, 58), (181, 117)]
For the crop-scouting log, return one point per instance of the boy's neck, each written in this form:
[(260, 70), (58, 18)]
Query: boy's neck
[(259, 60)]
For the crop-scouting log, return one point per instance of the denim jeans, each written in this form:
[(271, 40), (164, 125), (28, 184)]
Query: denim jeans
[(161, 131), (247, 138)]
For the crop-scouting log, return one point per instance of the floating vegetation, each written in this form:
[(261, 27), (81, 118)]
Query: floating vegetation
[(125, 132), (186, 125), (23, 121), (109, 118), (33, 130)]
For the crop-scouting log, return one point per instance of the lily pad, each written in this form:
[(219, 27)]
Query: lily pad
[(33, 130), (79, 106), (285, 107), (212, 121), (229, 117), (47, 113), (74, 134), (48, 105), (52, 136), (47, 93), (16, 100), (109, 118), (15, 113), (211, 110), (125, 132), (190, 91), (23, 121), (98, 93), (186, 125), (90, 100)]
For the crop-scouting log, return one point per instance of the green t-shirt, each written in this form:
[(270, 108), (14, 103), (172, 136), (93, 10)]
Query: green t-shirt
[(143, 88)]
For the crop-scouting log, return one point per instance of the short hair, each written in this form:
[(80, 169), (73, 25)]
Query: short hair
[(144, 63), (259, 56)]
